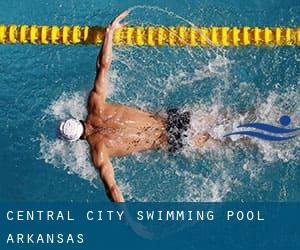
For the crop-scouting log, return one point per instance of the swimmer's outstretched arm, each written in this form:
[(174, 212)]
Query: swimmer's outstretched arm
[(105, 56), (103, 164)]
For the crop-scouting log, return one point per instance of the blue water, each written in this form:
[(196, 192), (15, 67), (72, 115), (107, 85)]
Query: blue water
[(42, 84)]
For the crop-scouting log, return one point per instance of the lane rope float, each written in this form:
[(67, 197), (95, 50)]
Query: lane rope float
[(152, 35)]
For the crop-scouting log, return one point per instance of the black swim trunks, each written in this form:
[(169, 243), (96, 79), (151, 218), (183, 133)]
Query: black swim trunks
[(177, 125)]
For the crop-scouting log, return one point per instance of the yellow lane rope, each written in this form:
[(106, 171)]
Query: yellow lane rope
[(152, 35)]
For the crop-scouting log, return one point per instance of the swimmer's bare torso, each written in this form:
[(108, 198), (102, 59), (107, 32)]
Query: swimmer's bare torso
[(122, 130), (113, 129), (118, 130)]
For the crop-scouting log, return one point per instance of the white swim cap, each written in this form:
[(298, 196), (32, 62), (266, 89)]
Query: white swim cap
[(70, 130)]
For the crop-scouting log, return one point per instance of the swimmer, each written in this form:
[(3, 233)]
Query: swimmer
[(114, 130)]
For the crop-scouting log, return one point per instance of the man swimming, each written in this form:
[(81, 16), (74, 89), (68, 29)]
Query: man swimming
[(117, 130)]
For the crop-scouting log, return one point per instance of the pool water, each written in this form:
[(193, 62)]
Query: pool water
[(43, 84)]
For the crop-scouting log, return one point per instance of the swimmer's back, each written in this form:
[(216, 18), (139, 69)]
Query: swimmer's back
[(126, 130)]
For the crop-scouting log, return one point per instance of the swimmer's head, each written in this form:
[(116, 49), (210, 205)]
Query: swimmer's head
[(70, 130)]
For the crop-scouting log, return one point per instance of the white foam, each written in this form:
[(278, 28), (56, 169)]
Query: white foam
[(68, 105), (271, 110), (200, 188), (72, 157)]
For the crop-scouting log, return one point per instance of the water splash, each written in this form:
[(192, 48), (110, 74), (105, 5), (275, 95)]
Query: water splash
[(215, 85), (192, 185)]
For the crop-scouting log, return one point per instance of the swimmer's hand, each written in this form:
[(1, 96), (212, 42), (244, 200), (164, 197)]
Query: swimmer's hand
[(115, 24)]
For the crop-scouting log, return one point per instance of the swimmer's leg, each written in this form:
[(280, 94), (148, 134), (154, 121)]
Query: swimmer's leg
[(203, 138), (200, 140)]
